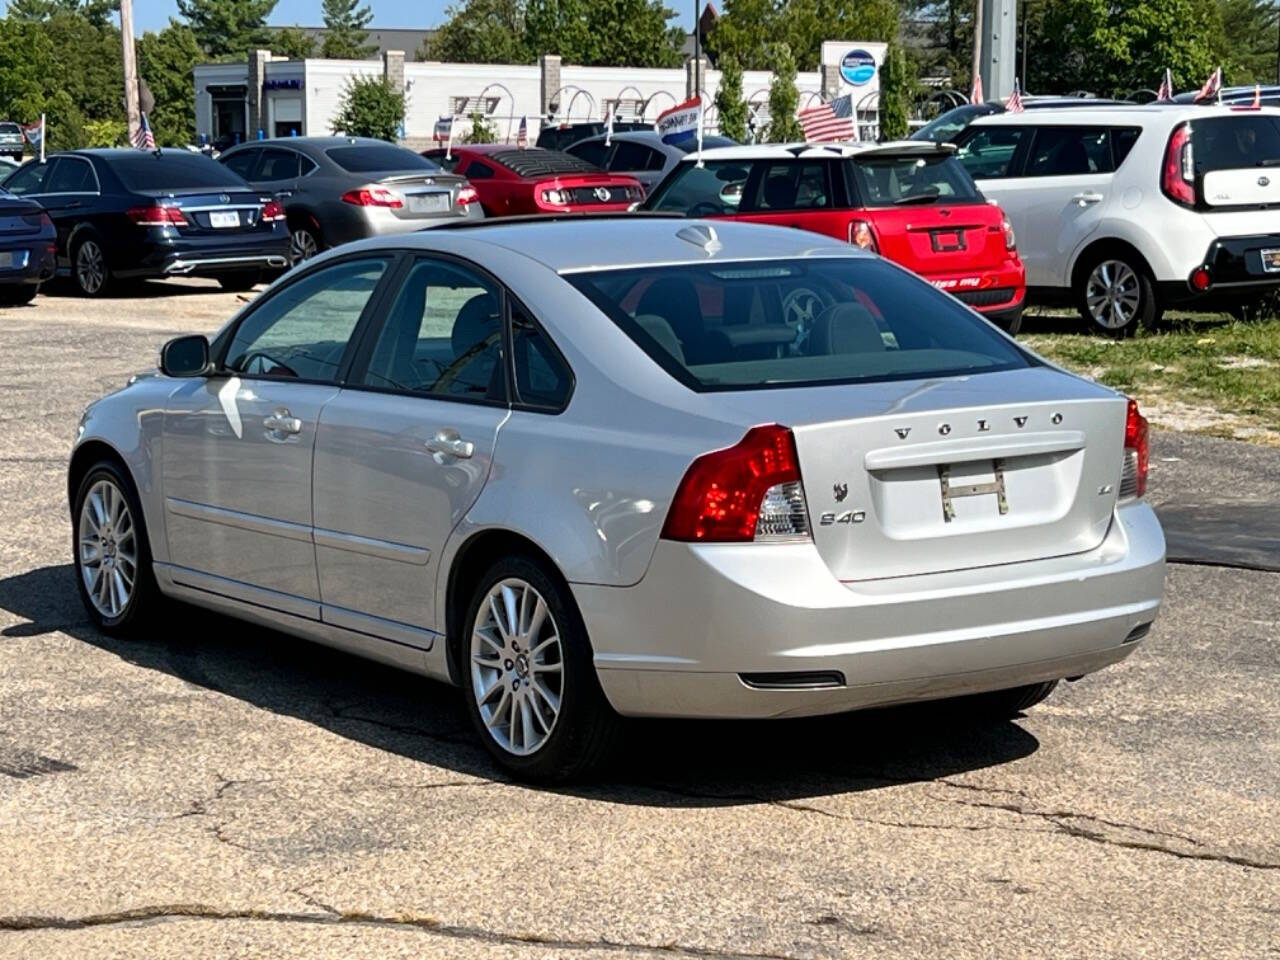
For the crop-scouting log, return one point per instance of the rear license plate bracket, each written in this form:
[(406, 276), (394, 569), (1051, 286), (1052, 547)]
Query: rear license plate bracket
[(428, 202), (1270, 260), (14, 259), (954, 491), (224, 218), (947, 241)]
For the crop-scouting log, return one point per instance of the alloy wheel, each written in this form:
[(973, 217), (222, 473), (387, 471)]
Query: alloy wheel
[(108, 549), (1113, 294), (302, 245), (91, 269), (517, 666)]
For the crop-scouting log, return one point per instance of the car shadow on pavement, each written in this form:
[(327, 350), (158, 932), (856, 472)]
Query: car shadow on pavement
[(658, 763)]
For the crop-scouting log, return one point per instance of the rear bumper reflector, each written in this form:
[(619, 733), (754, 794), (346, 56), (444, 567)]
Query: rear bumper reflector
[(794, 680), (202, 263)]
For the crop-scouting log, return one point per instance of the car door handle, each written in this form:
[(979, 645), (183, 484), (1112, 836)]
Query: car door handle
[(447, 443), (1085, 199), (282, 421)]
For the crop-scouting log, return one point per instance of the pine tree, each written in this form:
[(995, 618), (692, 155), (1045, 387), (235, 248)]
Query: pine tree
[(783, 97), (228, 28), (895, 94), (345, 30), (730, 106)]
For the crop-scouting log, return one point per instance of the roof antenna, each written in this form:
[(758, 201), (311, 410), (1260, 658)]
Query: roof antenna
[(701, 235)]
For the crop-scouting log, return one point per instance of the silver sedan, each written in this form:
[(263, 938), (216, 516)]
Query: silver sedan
[(594, 468)]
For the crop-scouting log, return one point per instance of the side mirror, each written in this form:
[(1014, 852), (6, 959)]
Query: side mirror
[(185, 357)]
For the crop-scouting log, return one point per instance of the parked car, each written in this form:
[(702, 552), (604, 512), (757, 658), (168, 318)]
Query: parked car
[(911, 202), (557, 136), (590, 467), (28, 249), (946, 126), (12, 141), (1268, 96), (1125, 211), (640, 154), (338, 189), (133, 214), (514, 181)]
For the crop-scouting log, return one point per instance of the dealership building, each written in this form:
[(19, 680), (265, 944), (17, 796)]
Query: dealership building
[(267, 96)]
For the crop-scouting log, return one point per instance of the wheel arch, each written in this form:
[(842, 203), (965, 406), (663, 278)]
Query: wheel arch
[(1103, 246), (82, 460)]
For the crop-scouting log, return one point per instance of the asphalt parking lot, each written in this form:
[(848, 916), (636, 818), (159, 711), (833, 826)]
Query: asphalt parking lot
[(222, 790)]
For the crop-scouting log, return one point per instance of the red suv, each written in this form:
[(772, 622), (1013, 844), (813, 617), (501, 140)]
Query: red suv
[(912, 202), (513, 181)]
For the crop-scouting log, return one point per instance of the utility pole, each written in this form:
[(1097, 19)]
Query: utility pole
[(697, 53), (977, 45), (132, 116)]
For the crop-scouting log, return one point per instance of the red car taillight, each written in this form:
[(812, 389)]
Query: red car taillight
[(1010, 240), (373, 197), (157, 216), (751, 491), (272, 211), (1133, 478), (861, 235), (556, 196), (40, 219), (1178, 172), (467, 195)]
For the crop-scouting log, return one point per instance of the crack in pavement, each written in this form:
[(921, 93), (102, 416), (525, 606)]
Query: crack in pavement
[(329, 915), (463, 738)]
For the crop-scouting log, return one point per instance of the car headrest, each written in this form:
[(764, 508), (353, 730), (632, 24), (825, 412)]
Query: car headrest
[(845, 328), (477, 319), (658, 328)]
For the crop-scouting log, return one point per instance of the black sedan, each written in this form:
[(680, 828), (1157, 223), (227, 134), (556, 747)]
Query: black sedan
[(27, 249), (124, 214)]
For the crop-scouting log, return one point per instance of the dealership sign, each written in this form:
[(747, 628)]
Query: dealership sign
[(858, 67)]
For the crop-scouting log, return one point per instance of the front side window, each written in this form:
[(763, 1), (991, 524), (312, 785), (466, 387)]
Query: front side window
[(730, 327), (28, 179), (443, 336), (890, 181), (1069, 152), (714, 189), (301, 333), (988, 152)]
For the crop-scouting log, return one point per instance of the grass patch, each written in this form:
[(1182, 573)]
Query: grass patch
[(1210, 375)]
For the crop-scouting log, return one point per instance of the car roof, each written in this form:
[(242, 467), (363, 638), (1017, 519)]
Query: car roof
[(788, 151), (307, 144), (587, 242), (1164, 112), (649, 138), (1233, 93)]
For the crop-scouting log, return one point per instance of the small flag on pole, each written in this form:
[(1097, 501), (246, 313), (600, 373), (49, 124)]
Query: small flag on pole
[(522, 134), (608, 125), (1212, 89), (1257, 96), (443, 133), (144, 139), (1165, 93), (829, 121), (681, 122), (975, 92), (1014, 103)]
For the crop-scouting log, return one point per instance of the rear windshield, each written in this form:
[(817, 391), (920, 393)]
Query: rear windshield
[(945, 126), (178, 170), (1229, 143), (780, 323), (374, 159), (10, 128), (892, 181)]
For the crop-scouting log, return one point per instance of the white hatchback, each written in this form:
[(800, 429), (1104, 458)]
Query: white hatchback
[(1129, 210)]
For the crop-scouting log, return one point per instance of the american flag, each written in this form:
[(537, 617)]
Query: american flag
[(1212, 88), (1165, 93), (1014, 103), (144, 139), (830, 121), (975, 92), (522, 134)]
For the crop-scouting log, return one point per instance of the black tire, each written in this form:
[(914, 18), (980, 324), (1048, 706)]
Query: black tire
[(1006, 703), (240, 280), (144, 600), (586, 727), (304, 242), (1128, 301), (1010, 322), (89, 273), (18, 294)]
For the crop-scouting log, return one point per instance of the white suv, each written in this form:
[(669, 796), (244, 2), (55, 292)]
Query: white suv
[(1128, 210)]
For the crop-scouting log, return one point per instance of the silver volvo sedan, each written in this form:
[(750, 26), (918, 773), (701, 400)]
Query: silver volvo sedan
[(604, 467)]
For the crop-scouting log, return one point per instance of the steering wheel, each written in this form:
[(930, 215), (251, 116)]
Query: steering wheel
[(705, 208)]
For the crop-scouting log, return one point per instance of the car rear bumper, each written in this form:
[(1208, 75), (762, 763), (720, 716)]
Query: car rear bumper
[(35, 259), (1235, 268), (988, 292), (382, 221), (201, 257), (759, 630)]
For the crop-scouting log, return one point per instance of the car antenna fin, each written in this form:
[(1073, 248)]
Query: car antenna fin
[(701, 235)]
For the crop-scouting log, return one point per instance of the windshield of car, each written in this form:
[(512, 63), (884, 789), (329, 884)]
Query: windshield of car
[(376, 158), (887, 181), (1229, 143), (946, 125), (179, 170), (778, 323)]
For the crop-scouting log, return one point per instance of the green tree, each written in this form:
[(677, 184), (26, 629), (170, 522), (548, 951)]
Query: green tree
[(370, 108), (228, 28), (730, 106), (626, 33), (97, 12), (292, 42), (346, 30), (783, 97), (748, 27), (480, 131), (165, 61), (1249, 30), (896, 94), (481, 31)]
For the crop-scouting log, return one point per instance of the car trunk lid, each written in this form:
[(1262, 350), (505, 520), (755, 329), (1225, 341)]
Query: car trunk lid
[(942, 237), (17, 219), (209, 212), (425, 195)]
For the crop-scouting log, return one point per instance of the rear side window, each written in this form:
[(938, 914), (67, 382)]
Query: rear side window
[(1069, 151), (71, 175), (792, 185), (478, 170), (1235, 142), (635, 156), (241, 164), (593, 151), (375, 158), (1122, 141), (730, 327), (542, 377), (988, 152), (176, 170), (890, 181), (278, 165)]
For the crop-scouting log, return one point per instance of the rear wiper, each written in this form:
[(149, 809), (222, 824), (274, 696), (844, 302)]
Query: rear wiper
[(918, 198)]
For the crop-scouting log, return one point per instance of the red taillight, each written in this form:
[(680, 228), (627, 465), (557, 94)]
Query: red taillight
[(1201, 279), (272, 211), (40, 219), (1133, 481), (1010, 239), (861, 235), (467, 195), (373, 197), (157, 216), (751, 491), (1177, 178)]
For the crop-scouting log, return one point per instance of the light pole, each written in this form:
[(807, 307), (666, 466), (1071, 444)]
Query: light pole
[(697, 53)]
